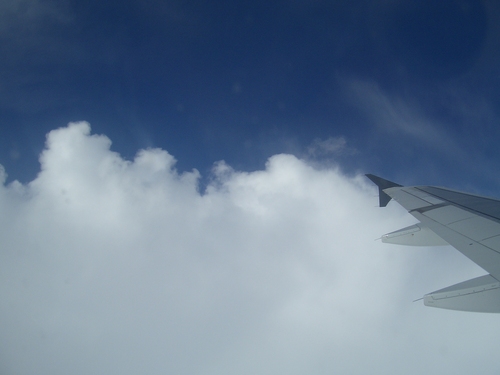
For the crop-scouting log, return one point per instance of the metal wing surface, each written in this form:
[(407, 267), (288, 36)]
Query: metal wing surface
[(468, 222)]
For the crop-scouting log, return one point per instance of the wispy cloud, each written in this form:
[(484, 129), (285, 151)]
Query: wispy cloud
[(396, 116), (31, 15), (330, 146)]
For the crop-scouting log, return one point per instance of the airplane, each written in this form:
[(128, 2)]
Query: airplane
[(470, 223)]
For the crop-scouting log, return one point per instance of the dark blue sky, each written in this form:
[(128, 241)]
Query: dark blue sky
[(411, 86)]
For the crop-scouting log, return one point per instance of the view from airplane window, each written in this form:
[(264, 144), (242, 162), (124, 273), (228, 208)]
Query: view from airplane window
[(184, 191)]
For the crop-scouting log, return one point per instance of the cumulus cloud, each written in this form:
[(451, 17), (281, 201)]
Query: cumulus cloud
[(116, 266)]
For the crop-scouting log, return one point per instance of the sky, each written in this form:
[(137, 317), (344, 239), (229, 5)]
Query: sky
[(183, 191)]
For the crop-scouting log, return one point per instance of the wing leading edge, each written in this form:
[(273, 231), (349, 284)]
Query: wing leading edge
[(470, 223)]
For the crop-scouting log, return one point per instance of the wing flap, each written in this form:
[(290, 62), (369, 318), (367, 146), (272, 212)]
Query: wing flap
[(477, 228), (483, 256), (448, 214)]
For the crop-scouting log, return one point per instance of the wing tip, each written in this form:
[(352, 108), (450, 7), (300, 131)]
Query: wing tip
[(382, 184)]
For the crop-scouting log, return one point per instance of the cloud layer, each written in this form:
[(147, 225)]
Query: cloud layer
[(115, 266)]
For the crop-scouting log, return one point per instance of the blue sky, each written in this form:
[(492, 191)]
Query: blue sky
[(185, 189), (411, 86)]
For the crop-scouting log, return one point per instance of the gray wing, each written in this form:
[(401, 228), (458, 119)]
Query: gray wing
[(470, 223)]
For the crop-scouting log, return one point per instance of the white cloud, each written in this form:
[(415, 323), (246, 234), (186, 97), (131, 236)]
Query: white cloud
[(114, 266)]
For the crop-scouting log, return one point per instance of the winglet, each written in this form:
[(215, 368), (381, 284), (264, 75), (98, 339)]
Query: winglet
[(382, 185)]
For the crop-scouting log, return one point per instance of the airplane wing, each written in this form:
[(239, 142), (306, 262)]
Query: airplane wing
[(470, 223)]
